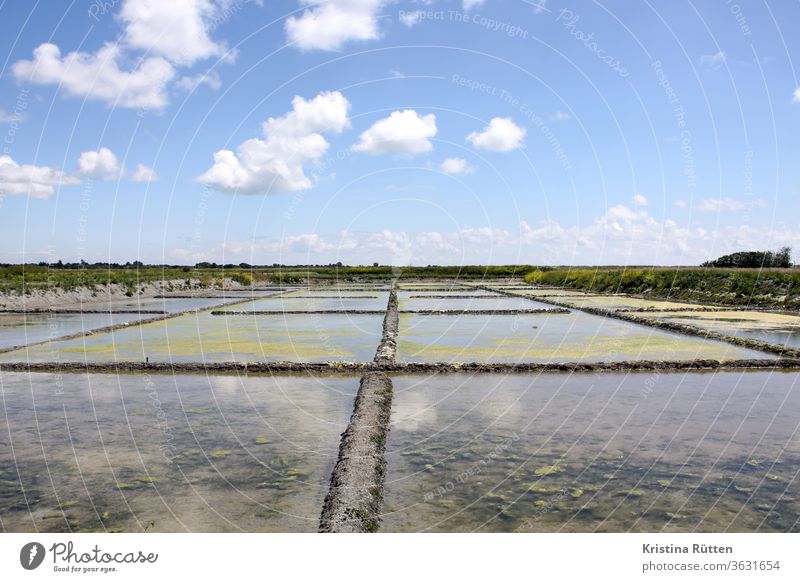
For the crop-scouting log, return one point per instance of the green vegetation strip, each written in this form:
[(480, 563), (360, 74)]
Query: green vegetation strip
[(349, 368), (355, 497), (762, 287)]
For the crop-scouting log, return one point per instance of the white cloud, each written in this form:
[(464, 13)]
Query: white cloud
[(412, 18), (100, 165), (714, 61), (796, 95), (192, 82), (98, 76), (136, 71), (275, 163), (144, 173), (328, 24), (470, 4), (720, 204), (681, 203), (34, 181), (501, 135), (639, 200), (456, 166), (403, 132), (175, 30)]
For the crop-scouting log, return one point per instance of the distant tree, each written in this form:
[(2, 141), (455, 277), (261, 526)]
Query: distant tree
[(753, 260)]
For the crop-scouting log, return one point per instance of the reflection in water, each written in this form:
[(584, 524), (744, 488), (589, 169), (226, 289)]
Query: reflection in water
[(635, 452), (548, 338), (168, 453), (18, 328), (212, 338)]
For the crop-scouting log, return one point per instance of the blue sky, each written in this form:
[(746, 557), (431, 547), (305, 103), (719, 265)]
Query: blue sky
[(435, 131)]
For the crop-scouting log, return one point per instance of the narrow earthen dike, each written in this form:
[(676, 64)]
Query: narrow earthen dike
[(355, 498)]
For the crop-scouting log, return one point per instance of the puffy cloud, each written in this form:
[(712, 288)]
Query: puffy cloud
[(169, 35), (328, 24), (403, 132), (714, 61), (192, 82), (412, 18), (144, 173), (639, 200), (99, 76), (100, 165), (796, 95), (34, 181), (501, 135), (275, 163), (456, 166), (176, 30), (470, 4)]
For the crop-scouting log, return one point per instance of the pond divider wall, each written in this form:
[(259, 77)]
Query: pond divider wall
[(355, 497), (387, 348), (83, 311), (350, 368)]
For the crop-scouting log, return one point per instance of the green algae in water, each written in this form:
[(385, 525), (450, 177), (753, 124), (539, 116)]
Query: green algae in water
[(549, 470)]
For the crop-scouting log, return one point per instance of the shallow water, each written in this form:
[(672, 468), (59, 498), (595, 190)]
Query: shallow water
[(213, 338), (315, 303), (18, 329), (168, 453), (634, 452), (776, 328), (480, 302), (548, 338)]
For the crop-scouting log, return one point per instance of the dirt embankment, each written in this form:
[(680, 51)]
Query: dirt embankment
[(387, 349), (83, 298), (355, 498)]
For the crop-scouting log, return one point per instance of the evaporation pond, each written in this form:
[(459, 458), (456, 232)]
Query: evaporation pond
[(216, 338), (26, 328), (168, 453), (548, 338), (706, 452)]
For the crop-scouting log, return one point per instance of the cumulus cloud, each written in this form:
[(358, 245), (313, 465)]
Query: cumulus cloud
[(99, 76), (640, 200), (403, 132), (176, 30), (143, 173), (714, 61), (796, 95), (501, 135), (456, 166), (470, 4), (411, 18), (33, 181), (100, 165), (329, 24), (275, 163), (138, 69)]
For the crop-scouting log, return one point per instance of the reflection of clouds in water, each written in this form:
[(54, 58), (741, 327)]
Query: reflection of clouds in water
[(227, 385), (417, 413)]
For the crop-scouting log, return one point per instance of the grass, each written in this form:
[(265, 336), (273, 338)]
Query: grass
[(761, 287)]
